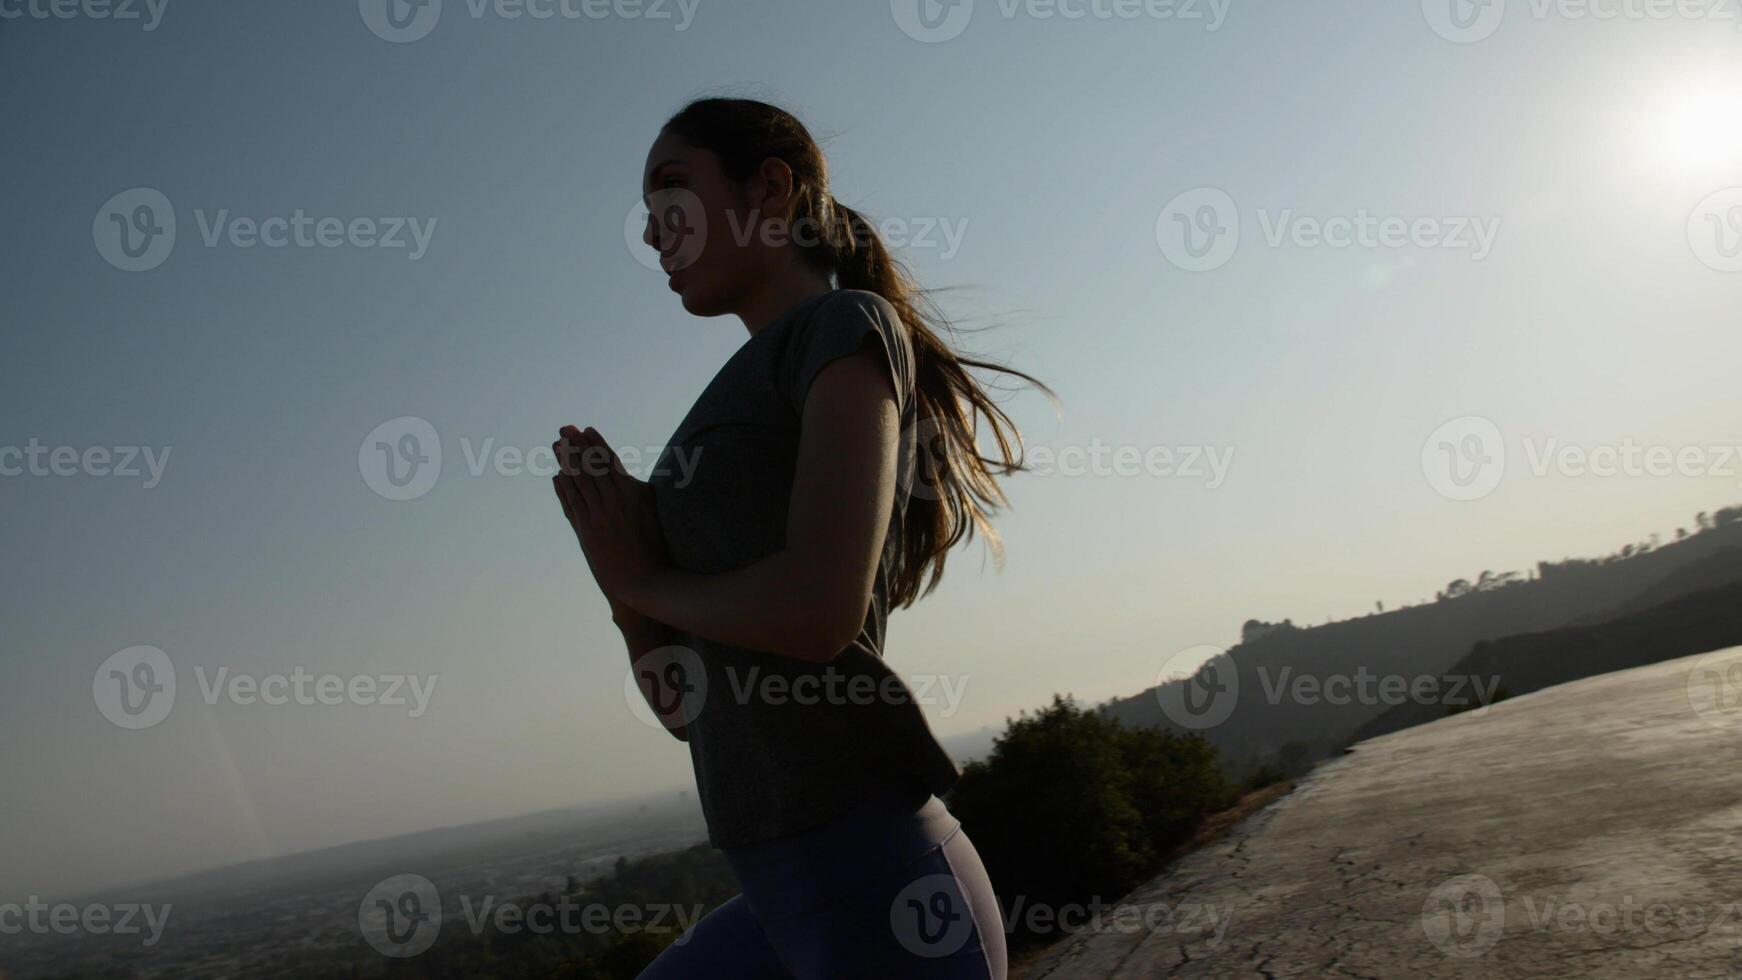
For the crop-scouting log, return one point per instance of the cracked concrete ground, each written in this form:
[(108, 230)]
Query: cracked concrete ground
[(1592, 829)]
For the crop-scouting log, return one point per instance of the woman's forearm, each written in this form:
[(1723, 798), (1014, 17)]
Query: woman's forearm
[(784, 604), (642, 636)]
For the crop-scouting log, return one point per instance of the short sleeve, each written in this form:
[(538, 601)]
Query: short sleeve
[(842, 325)]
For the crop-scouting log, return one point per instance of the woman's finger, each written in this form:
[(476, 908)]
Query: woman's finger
[(576, 443), (588, 490), (612, 500), (571, 501), (633, 497), (565, 452), (612, 460), (629, 488)]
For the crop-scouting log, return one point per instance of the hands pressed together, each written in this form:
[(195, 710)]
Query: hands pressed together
[(613, 516)]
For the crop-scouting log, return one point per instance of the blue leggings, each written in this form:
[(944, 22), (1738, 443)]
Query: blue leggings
[(892, 889)]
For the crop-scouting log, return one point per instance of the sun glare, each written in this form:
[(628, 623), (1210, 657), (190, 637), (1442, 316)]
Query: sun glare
[(1698, 124)]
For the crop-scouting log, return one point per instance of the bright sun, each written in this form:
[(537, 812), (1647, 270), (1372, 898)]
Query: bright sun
[(1698, 124)]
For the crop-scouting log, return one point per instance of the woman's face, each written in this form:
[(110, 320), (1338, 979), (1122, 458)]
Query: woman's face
[(700, 222)]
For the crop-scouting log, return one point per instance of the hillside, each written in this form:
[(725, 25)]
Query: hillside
[(1426, 641), (1710, 620)]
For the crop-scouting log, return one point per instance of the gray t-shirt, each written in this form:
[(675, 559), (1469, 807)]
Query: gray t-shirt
[(779, 745)]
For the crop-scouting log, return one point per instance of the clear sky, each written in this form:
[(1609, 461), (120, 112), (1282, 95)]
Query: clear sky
[(1037, 162)]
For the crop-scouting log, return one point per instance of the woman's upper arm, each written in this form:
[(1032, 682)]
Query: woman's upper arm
[(844, 484)]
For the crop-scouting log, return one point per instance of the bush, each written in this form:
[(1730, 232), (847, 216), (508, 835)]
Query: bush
[(1071, 806)]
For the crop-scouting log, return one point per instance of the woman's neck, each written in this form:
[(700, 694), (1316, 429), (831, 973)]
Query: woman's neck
[(792, 286)]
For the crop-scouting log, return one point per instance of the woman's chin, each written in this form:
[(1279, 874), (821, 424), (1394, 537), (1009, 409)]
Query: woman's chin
[(696, 300), (678, 282)]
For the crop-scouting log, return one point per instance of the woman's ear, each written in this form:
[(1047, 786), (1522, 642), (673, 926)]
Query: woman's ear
[(771, 190)]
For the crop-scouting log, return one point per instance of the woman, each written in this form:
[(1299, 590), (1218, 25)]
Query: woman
[(752, 586)]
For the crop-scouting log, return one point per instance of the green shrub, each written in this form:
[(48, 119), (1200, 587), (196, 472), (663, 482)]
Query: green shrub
[(1071, 806)]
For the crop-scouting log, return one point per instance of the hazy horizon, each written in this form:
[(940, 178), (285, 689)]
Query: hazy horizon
[(1552, 179)]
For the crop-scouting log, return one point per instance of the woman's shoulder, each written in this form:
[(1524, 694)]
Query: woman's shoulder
[(839, 325), (854, 312), (860, 301)]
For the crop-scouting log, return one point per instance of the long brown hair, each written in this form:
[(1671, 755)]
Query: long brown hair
[(960, 491)]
